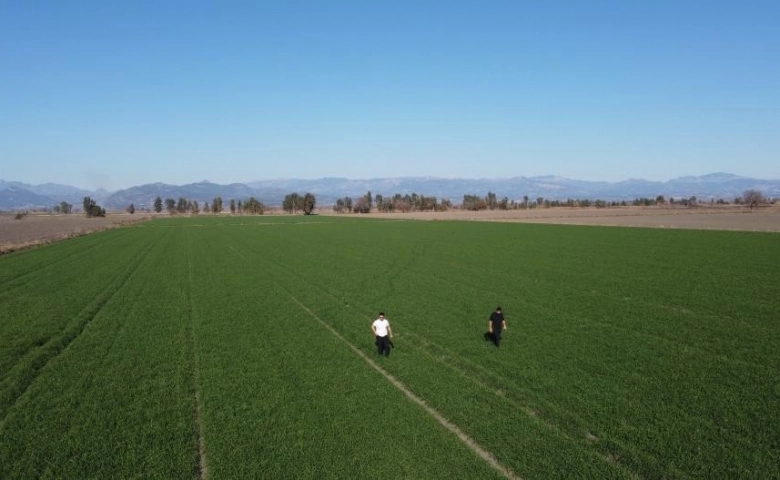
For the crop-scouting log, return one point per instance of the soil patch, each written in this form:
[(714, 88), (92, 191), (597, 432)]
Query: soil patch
[(764, 219), (39, 229)]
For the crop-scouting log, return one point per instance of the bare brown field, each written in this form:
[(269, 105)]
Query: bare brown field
[(39, 229), (764, 219)]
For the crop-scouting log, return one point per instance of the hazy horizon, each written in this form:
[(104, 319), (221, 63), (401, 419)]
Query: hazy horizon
[(291, 179)]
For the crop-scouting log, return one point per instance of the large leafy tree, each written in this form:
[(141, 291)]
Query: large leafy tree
[(158, 204), (182, 205), (343, 205), (92, 209), (753, 198), (254, 206), (63, 207), (473, 202), (292, 202), (308, 203), (492, 201), (216, 205), (362, 205)]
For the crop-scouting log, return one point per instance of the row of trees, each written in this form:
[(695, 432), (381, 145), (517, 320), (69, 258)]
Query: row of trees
[(397, 203), (414, 202), (184, 205), (752, 198)]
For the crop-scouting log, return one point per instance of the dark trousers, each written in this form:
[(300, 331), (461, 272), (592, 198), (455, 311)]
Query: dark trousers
[(383, 345), (497, 334)]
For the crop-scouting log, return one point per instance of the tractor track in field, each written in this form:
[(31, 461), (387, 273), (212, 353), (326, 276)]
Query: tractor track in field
[(611, 457), (587, 292), (456, 364), (40, 359), (657, 338), (469, 442), (198, 433), (12, 284)]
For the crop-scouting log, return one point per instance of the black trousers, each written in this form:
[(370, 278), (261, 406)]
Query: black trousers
[(383, 345), (497, 334)]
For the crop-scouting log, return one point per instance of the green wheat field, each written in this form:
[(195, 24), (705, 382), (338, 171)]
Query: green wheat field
[(240, 347)]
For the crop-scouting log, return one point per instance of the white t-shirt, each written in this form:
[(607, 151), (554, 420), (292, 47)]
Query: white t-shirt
[(380, 326)]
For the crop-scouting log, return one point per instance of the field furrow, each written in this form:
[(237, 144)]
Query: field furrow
[(354, 329), (21, 374), (52, 262), (197, 409), (468, 441), (115, 402)]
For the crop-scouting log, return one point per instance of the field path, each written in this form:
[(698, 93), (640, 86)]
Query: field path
[(468, 441), (197, 417)]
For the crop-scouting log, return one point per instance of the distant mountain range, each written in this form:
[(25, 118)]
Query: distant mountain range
[(21, 196)]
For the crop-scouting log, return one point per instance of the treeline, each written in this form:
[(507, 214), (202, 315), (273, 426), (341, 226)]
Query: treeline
[(418, 202), (421, 203), (492, 202), (397, 203), (293, 203), (751, 198), (252, 206), (297, 203)]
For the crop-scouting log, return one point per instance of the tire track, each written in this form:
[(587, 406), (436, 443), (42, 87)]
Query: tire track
[(461, 365), (462, 436), (201, 465), (13, 283), (20, 378), (611, 457)]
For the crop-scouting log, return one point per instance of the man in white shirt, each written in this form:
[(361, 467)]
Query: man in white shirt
[(383, 334)]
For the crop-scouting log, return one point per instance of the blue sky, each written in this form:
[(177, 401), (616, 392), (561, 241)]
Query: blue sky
[(121, 93)]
